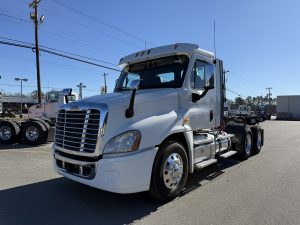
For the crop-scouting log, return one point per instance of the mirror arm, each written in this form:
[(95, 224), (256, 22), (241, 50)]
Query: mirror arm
[(196, 96), (130, 111)]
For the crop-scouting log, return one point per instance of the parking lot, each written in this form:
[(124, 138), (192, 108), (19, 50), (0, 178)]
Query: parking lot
[(261, 190)]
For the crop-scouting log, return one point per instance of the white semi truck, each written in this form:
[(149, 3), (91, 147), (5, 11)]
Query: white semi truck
[(163, 121), (37, 129)]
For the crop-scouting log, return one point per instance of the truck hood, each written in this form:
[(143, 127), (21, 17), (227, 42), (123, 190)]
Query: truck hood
[(117, 100)]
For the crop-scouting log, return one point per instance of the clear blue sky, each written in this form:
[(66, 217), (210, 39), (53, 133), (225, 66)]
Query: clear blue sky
[(257, 40)]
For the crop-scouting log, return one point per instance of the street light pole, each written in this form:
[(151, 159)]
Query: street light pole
[(105, 86), (80, 86), (25, 80)]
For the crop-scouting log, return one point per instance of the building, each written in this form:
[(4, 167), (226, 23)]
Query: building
[(12, 103), (288, 107)]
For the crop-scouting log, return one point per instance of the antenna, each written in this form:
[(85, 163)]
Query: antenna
[(215, 48)]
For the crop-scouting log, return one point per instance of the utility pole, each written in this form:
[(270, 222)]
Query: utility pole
[(105, 87), (25, 80), (34, 17), (81, 86), (269, 95)]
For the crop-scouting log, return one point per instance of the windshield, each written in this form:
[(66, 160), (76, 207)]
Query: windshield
[(71, 98), (165, 72), (52, 97)]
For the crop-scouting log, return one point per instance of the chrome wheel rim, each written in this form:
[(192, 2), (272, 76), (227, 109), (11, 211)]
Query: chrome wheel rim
[(5, 133), (253, 121), (258, 143), (173, 170), (248, 144), (32, 133)]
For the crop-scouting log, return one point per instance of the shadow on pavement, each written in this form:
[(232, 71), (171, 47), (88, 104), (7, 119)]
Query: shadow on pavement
[(208, 174), (20, 146), (62, 201)]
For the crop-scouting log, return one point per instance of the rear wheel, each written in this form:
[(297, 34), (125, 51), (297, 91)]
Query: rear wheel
[(47, 126), (252, 120), (245, 148), (170, 171), (242, 141), (257, 139), (33, 133), (9, 132)]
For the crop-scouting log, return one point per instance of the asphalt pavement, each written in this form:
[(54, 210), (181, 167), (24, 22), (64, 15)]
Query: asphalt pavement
[(264, 189)]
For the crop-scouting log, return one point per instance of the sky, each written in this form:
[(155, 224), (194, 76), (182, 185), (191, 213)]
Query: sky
[(258, 41)]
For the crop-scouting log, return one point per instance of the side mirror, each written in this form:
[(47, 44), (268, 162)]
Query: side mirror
[(195, 97)]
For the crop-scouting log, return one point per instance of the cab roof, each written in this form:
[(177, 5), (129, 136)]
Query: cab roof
[(163, 51)]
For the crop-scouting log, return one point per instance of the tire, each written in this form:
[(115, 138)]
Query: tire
[(170, 158), (47, 127), (9, 132), (241, 140), (33, 133), (257, 133), (251, 120), (245, 148)]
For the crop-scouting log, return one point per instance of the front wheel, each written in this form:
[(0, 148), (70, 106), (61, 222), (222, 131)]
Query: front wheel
[(169, 172)]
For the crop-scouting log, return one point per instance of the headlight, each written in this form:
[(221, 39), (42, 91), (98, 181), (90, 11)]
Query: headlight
[(126, 142)]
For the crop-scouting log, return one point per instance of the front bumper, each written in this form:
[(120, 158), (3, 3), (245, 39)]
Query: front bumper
[(129, 173)]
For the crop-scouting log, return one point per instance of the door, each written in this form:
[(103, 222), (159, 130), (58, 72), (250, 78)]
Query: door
[(202, 82)]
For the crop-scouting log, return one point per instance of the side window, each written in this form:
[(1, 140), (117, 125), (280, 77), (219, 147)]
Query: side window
[(210, 74), (129, 79), (202, 75)]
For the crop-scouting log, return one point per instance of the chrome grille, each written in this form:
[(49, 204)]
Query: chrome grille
[(77, 130)]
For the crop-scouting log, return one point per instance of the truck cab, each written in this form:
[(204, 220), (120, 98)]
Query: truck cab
[(244, 110), (53, 101), (160, 124)]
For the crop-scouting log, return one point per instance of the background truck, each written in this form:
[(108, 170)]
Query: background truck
[(163, 121), (243, 113), (37, 129)]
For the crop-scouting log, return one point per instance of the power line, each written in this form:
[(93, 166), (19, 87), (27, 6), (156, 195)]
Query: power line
[(86, 26), (91, 28), (82, 42), (74, 54), (58, 54), (102, 22), (50, 62), (247, 80), (49, 48), (15, 22), (14, 17), (233, 92), (67, 37)]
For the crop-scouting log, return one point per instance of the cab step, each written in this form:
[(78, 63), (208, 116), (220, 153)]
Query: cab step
[(205, 163), (228, 154)]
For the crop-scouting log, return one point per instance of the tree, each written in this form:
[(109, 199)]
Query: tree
[(239, 101), (249, 101)]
